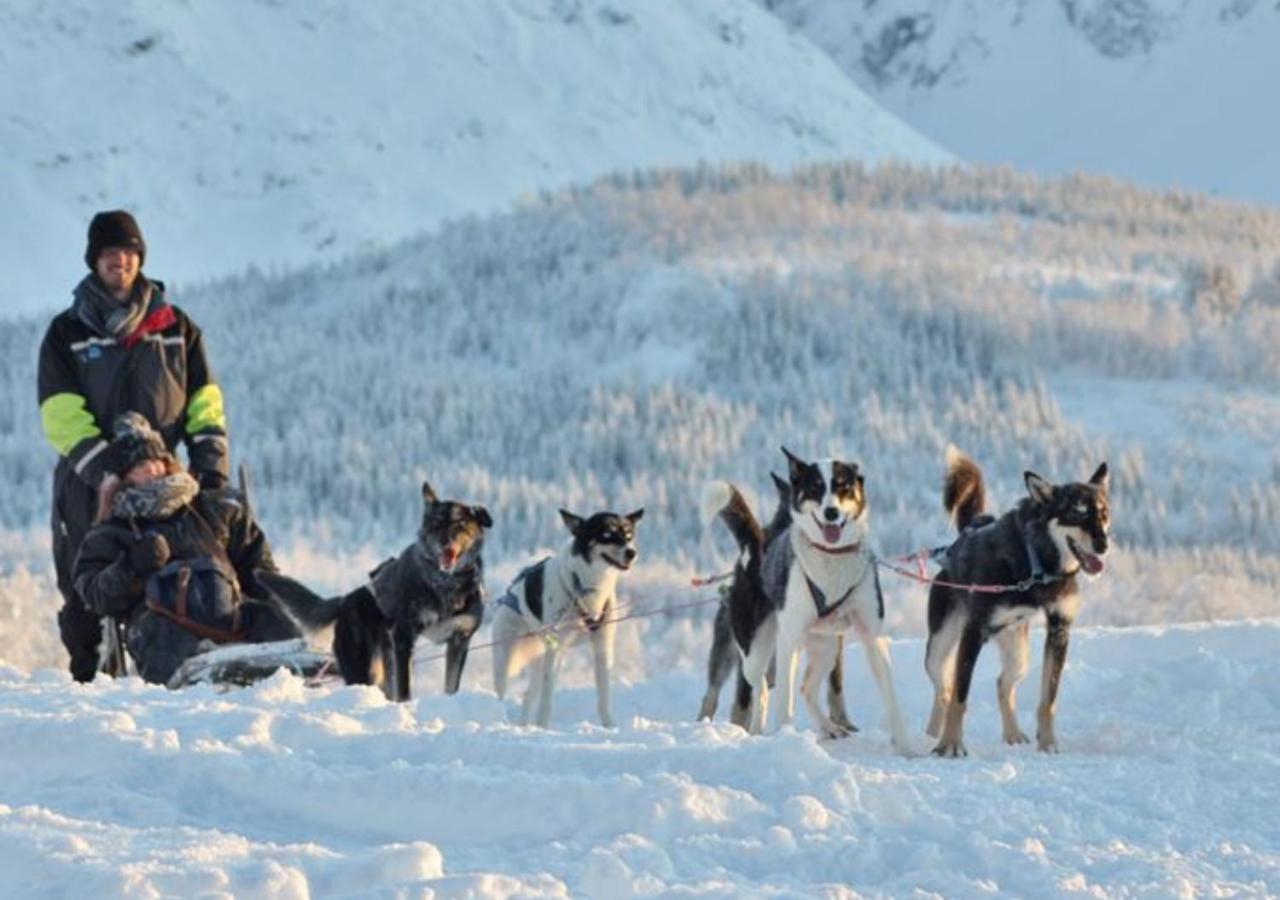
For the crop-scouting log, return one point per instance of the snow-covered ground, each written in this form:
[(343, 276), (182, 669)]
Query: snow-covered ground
[(1166, 786), (285, 132), (1169, 93)]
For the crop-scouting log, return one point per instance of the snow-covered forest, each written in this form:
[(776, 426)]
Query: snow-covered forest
[(620, 344)]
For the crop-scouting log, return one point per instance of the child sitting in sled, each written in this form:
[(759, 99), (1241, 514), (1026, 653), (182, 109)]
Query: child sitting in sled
[(174, 564)]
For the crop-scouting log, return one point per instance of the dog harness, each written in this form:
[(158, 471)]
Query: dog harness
[(535, 575), (1038, 575), (819, 595), (820, 598)]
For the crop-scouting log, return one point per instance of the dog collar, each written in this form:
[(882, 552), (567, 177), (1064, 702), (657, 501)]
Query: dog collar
[(832, 551)]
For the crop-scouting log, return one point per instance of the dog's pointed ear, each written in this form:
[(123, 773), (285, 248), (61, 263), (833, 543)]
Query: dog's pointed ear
[(634, 517), (482, 516), (1101, 477), (572, 522), (1040, 489), (428, 495), (781, 484), (796, 467)]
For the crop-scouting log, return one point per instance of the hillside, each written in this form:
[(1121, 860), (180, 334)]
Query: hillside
[(283, 133), (619, 345)]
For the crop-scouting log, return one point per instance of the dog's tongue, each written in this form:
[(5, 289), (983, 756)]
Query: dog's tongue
[(448, 556), (1092, 564), (831, 533)]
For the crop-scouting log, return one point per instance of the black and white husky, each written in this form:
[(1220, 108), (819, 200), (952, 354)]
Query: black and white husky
[(724, 659), (815, 581), (1038, 548), (434, 588), (555, 601)]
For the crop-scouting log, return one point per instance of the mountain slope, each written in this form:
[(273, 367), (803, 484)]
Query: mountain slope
[(290, 131), (1164, 92)]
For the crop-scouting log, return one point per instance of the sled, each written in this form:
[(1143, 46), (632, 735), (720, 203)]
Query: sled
[(239, 665)]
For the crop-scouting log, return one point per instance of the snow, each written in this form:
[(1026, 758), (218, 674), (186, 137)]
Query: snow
[(1167, 93), (1165, 786), (282, 133)]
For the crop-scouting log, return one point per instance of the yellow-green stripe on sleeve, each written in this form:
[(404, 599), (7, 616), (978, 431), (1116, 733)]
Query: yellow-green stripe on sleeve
[(67, 421), (204, 410)]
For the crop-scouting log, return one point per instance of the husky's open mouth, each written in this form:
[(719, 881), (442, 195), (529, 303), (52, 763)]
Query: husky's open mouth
[(1091, 563), (448, 558), (624, 566), (830, 530)]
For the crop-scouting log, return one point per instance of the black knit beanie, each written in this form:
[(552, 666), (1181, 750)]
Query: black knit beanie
[(114, 228), (133, 440)]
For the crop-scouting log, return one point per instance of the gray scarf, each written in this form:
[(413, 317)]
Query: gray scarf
[(107, 316), (156, 499)]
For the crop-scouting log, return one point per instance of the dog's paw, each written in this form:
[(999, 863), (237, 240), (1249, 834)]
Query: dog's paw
[(1047, 746), (833, 732), (950, 749), (607, 722), (844, 729), (1016, 736)]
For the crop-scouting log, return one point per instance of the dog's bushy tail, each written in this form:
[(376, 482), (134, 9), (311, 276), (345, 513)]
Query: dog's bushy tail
[(963, 493), (311, 611), (725, 501)]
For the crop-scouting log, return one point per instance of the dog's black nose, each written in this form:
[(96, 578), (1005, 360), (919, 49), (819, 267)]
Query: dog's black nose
[(831, 513), (629, 553)]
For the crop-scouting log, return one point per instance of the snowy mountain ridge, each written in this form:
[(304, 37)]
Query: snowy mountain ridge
[(1164, 92), (282, 133)]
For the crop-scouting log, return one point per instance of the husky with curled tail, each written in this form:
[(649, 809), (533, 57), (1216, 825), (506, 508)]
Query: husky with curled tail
[(1037, 549), (812, 583), (724, 659)]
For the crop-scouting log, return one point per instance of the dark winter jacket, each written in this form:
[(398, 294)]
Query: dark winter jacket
[(159, 370), (110, 587), (87, 378)]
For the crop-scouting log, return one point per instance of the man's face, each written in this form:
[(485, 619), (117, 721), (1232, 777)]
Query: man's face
[(147, 470), (117, 267)]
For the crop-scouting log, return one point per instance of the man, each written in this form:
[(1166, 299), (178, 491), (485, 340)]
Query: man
[(176, 564), (120, 346)]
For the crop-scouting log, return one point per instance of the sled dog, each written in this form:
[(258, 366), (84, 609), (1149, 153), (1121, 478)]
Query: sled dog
[(553, 602), (1037, 548), (724, 659), (435, 587), (813, 582)]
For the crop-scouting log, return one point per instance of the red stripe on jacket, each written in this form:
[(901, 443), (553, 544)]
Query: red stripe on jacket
[(158, 320)]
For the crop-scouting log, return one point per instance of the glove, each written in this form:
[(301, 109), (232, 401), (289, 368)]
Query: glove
[(148, 553), (212, 481)]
